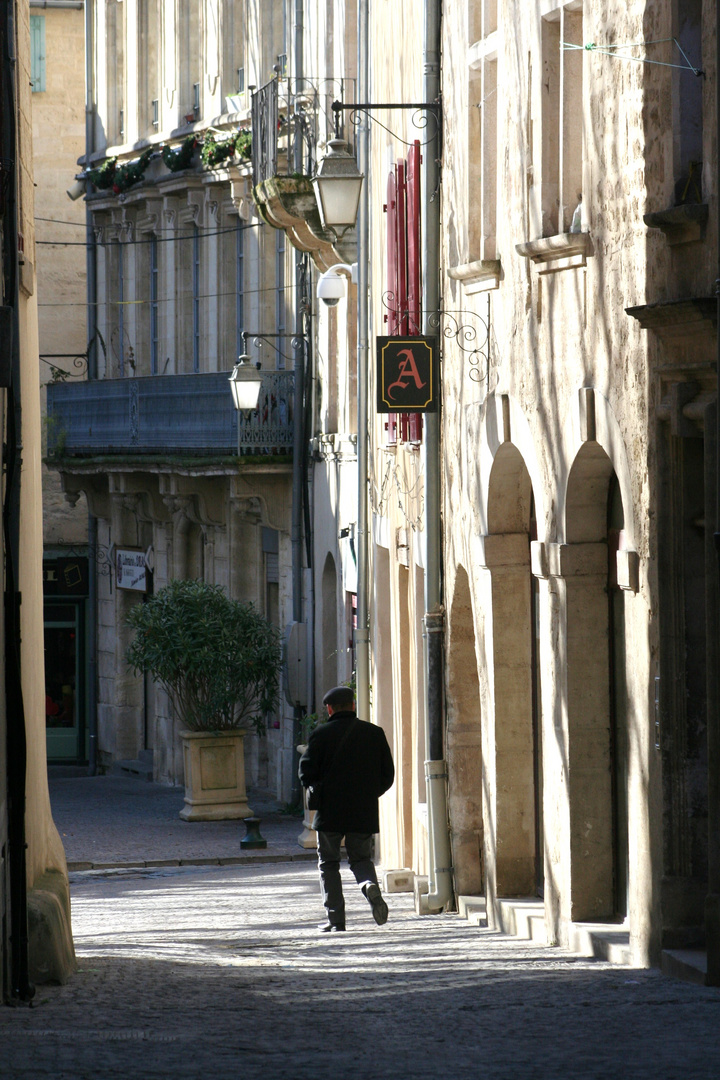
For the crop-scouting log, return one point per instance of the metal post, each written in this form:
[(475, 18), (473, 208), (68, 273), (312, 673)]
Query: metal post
[(712, 901), (440, 896), (362, 634)]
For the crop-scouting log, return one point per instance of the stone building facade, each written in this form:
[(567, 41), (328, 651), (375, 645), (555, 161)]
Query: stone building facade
[(579, 234), (182, 264)]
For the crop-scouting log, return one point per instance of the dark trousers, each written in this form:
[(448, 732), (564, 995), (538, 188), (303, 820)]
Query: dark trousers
[(360, 848)]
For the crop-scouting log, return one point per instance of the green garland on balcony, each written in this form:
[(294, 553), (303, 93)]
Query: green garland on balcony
[(214, 152), (181, 157), (118, 178)]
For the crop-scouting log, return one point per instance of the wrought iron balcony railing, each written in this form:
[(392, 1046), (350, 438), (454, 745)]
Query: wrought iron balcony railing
[(168, 415), (289, 118)]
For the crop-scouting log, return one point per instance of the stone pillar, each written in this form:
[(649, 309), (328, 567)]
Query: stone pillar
[(582, 570), (508, 757)]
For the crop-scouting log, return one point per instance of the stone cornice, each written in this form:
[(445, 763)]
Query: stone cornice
[(565, 251)]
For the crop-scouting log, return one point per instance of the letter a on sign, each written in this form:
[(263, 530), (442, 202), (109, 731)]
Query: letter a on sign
[(407, 374)]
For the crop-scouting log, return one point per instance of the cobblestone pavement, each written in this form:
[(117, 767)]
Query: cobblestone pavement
[(220, 972)]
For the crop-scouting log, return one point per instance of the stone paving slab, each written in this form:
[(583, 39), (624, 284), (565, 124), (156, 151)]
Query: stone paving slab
[(115, 821), (188, 973)]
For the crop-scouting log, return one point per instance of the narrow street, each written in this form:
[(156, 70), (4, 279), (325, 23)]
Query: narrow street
[(220, 972)]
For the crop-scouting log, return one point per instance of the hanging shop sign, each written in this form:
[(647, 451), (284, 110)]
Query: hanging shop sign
[(66, 576), (407, 374), (131, 569)]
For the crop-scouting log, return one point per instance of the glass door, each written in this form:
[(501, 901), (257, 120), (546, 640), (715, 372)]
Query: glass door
[(64, 698)]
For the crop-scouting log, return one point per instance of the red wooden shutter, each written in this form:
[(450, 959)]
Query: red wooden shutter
[(390, 298), (414, 427)]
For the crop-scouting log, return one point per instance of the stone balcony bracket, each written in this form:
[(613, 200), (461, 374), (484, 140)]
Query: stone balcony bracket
[(566, 251), (479, 276), (288, 203), (680, 224)]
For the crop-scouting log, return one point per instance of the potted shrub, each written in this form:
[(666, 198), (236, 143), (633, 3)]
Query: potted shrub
[(219, 661)]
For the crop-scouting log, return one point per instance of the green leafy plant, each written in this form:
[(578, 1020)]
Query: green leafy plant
[(103, 177), (218, 659), (131, 172), (118, 178), (214, 152), (180, 157), (308, 725), (243, 144)]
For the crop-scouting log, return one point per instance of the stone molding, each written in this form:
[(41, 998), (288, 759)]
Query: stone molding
[(566, 251), (483, 275), (680, 224)]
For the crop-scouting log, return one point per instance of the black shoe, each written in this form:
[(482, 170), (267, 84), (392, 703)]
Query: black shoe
[(378, 905), (329, 927)]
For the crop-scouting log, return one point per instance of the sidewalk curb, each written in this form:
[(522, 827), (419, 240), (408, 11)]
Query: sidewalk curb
[(158, 864)]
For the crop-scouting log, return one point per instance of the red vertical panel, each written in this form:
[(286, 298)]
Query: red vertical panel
[(401, 233), (392, 274), (413, 239), (392, 254)]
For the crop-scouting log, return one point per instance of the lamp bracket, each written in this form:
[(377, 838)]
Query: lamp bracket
[(419, 121), (296, 340)]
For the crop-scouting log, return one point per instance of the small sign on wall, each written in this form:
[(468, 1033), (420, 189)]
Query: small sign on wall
[(407, 374), (131, 570)]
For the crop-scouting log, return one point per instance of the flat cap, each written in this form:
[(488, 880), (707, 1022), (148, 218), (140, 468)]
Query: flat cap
[(340, 697)]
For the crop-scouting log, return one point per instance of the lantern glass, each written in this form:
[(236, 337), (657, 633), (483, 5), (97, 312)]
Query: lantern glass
[(245, 383), (337, 187)]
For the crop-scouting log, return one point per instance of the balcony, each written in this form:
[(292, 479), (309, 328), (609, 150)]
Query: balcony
[(287, 126), (167, 415)]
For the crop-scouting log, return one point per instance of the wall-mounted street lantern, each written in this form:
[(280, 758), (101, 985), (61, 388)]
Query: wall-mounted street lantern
[(245, 384), (338, 184)]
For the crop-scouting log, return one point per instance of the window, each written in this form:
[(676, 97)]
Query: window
[(239, 287), (37, 53), (154, 305), (190, 32), (116, 308), (687, 103), (280, 294), (195, 299), (233, 46), (482, 133), (149, 87), (115, 70), (561, 120)]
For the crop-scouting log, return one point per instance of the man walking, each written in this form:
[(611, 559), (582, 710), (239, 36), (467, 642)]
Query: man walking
[(348, 765)]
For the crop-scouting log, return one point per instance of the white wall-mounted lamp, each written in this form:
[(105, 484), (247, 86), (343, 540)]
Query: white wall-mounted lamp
[(338, 184), (246, 384)]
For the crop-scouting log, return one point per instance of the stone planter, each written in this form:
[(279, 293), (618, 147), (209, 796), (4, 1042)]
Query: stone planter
[(214, 776)]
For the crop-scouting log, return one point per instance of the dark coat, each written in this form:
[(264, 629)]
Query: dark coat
[(352, 783)]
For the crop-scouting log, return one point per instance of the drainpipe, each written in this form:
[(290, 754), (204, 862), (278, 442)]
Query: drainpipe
[(362, 633), (712, 901), (440, 895), (296, 529), (91, 272)]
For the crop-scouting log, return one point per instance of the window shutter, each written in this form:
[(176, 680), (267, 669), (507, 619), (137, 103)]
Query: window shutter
[(37, 53), (414, 428), (391, 297)]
